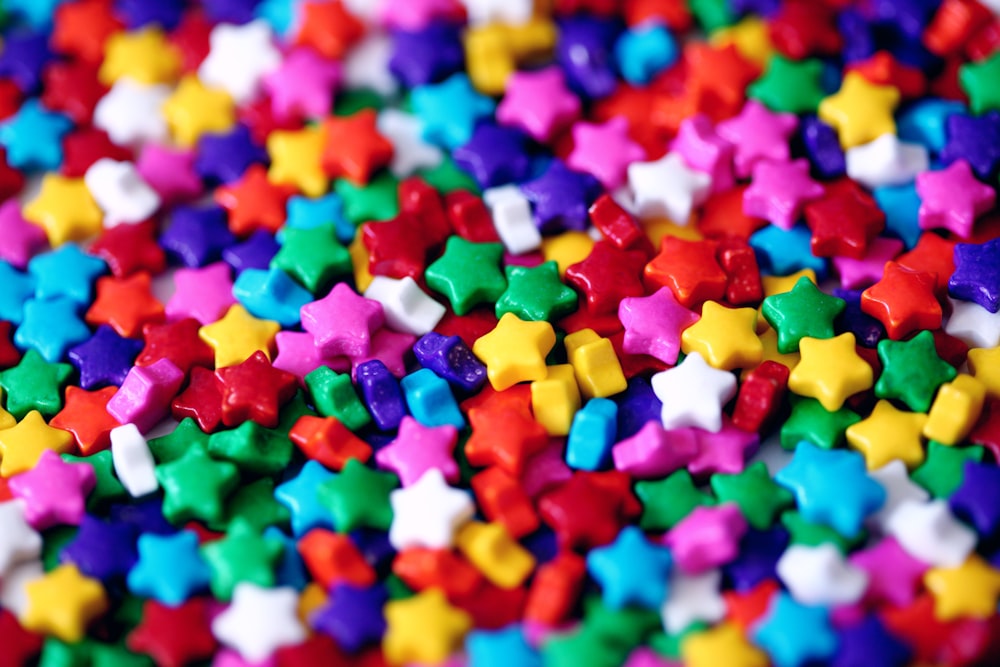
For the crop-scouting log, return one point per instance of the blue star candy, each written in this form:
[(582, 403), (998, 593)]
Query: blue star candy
[(197, 236), (170, 568), (794, 634), (832, 487), (901, 205), (499, 648), (977, 274), (758, 557), (254, 253), (561, 198), (977, 499), (137, 13), (104, 359), (222, 158), (426, 56), (237, 12), (18, 287), (279, 14), (68, 272), (449, 110), (50, 326), (869, 643), (271, 295), (631, 570), (783, 252), (823, 148), (353, 616), (33, 137), (644, 51), (35, 13), (101, 549), (924, 122), (24, 57), (299, 496), (290, 570), (494, 156), (975, 139), (306, 213)]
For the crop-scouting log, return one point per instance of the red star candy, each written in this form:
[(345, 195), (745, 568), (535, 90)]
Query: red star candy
[(255, 390), (421, 568), (174, 636), (506, 438), (690, 269), (85, 415), (191, 38), (319, 649), (19, 645), (9, 355), (903, 301), (202, 400), (722, 216), (82, 29), (884, 70), (934, 255), (177, 341), (802, 28), (718, 78), (844, 221), (606, 276), (10, 98), (253, 202), (125, 304), (397, 248), (586, 511), (259, 117), (131, 248), (73, 89), (745, 608), (353, 147), (327, 440), (332, 559), (328, 28), (11, 180), (84, 147)]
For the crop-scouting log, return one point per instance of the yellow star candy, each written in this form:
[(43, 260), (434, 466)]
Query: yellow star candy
[(65, 209), (7, 420), (985, 366), (195, 109), (238, 335), (145, 56), (62, 603), (725, 337), (495, 553), (567, 249), (296, 160), (22, 445), (956, 410), (769, 339), (751, 37), (359, 261), (515, 351), (967, 591), (724, 644), (423, 629), (830, 371), (887, 434), (780, 284), (860, 111)]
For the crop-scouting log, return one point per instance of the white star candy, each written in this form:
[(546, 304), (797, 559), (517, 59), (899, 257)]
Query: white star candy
[(899, 488), (820, 575), (120, 192), (363, 10), (259, 621), (886, 161), (367, 65), (428, 512), (410, 151), (511, 12), (692, 598), (512, 219), (972, 324), (133, 461), (667, 188), (930, 532), (407, 307), (693, 394), (239, 58), (13, 596), (19, 542), (130, 113)]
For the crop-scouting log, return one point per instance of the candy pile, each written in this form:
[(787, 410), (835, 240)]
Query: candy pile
[(487, 332)]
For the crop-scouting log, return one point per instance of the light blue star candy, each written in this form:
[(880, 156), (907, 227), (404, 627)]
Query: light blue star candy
[(501, 648), (306, 213), (279, 14), (901, 205), (37, 14), (592, 434), (17, 288), (925, 122), (33, 137), (170, 568), (67, 271), (832, 487), (644, 51), (299, 495), (430, 400), (50, 326), (449, 110), (271, 295), (290, 571), (783, 252), (794, 634), (631, 570)]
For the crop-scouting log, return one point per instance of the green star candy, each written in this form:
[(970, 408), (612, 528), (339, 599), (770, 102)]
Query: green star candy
[(467, 274), (581, 648), (811, 422), (757, 495), (358, 497), (351, 101), (912, 371), (170, 447), (107, 488), (448, 177), (623, 628), (255, 449), (242, 555), (666, 501), (944, 468), (333, 395), (805, 311), (712, 14), (789, 86), (313, 257), (979, 81), (255, 504), (378, 200), (195, 486), (536, 293), (34, 384), (815, 534)]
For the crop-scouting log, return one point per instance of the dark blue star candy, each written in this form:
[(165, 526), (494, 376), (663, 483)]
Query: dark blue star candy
[(869, 643), (637, 405), (759, 554), (105, 358), (561, 198), (494, 156), (254, 253), (823, 148), (585, 52), (977, 274), (866, 329), (103, 550), (858, 36), (145, 516), (197, 236), (353, 616), (376, 548), (760, 7), (24, 57), (977, 500), (976, 139), (426, 56), (237, 12), (137, 13), (222, 158), (910, 17)]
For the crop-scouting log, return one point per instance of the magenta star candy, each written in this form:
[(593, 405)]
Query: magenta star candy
[(145, 395), (953, 198), (54, 491), (539, 103), (170, 172), (757, 134), (655, 452), (420, 448), (19, 239), (894, 576), (415, 15), (605, 151), (298, 354), (725, 451), (707, 537), (864, 272), (204, 294), (303, 85), (391, 348), (343, 322), (653, 324), (703, 149), (779, 190)]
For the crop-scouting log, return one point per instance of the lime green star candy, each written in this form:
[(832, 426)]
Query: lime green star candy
[(242, 555), (912, 371), (536, 293), (666, 501), (758, 496), (195, 487), (359, 497), (811, 422), (805, 311), (979, 81), (944, 468), (467, 274), (313, 257), (789, 86)]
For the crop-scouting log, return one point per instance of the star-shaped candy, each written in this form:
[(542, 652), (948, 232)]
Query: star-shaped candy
[(726, 642), (489, 11), (975, 139), (693, 394), (830, 371), (174, 634), (19, 239), (860, 111), (239, 58), (204, 294), (259, 621), (886, 161), (54, 492), (170, 172), (238, 335), (631, 570), (820, 575), (256, 203), (893, 574), (194, 110), (973, 324), (410, 150), (536, 293), (343, 322), (791, 86), (859, 273), (354, 147), (903, 301), (494, 155), (130, 113), (653, 324), (724, 451), (424, 628), (779, 190), (805, 311), (725, 337), (352, 616), (51, 326), (605, 151), (65, 209), (33, 137), (300, 496), (428, 513), (21, 542), (794, 633), (126, 304), (169, 569), (953, 198), (931, 533), (451, 274), (539, 103), (144, 55), (899, 488), (418, 449), (757, 134), (225, 157), (561, 197), (977, 274), (704, 150), (359, 497), (104, 359), (667, 188), (515, 351), (302, 86), (366, 65), (196, 236), (62, 603), (912, 371), (448, 111)]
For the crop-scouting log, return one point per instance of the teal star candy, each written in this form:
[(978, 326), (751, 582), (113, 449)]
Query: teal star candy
[(66, 271), (18, 287), (301, 496), (170, 568), (631, 570), (271, 295), (643, 51), (832, 487), (50, 326), (912, 371), (783, 252), (33, 137), (448, 111), (536, 293), (901, 205), (500, 648), (467, 274), (794, 634), (804, 311)]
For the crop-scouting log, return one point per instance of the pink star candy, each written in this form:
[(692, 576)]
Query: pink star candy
[(343, 322), (54, 491), (145, 395), (894, 576), (707, 537), (170, 172), (655, 452), (303, 86), (298, 355), (706, 151), (204, 294), (653, 324), (725, 451), (868, 270), (779, 190), (605, 151), (546, 470), (538, 103), (19, 239), (757, 134), (952, 199), (420, 448), (390, 347), (415, 15)]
